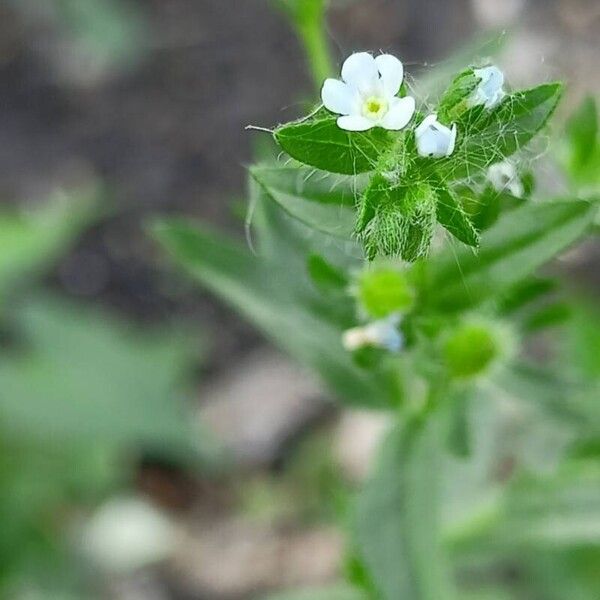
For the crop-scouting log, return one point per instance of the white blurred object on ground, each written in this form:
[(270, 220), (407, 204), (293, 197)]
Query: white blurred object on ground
[(232, 558), (357, 439), (128, 533)]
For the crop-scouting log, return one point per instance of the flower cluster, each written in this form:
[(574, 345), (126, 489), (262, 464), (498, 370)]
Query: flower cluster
[(367, 97)]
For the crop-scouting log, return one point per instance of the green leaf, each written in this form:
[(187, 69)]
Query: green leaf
[(32, 242), (551, 315), (326, 277), (274, 292), (524, 293), (319, 142), (522, 241), (583, 342), (490, 136), (459, 438), (322, 201), (85, 376), (339, 592), (583, 155), (451, 215), (582, 130), (484, 208), (559, 510), (398, 515)]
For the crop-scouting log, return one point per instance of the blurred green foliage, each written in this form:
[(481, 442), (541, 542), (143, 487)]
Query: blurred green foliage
[(82, 394), (486, 488)]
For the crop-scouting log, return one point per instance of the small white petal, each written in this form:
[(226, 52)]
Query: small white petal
[(391, 71), (400, 113), (360, 71), (338, 97), (354, 339), (355, 123), (452, 144), (379, 334), (425, 124)]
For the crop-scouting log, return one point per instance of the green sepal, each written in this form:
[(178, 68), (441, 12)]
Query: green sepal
[(397, 221), (452, 216)]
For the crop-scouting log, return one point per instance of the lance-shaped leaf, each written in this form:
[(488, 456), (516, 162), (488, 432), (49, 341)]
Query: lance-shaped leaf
[(489, 136), (320, 143), (274, 292), (320, 200), (338, 592), (521, 241), (398, 515), (557, 511), (583, 151), (451, 215)]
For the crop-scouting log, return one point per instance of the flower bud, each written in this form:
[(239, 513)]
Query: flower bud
[(435, 140), (472, 347), (382, 334), (385, 290), (489, 92)]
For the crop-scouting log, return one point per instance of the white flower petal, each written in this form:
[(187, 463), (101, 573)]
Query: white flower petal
[(425, 124), (360, 71), (452, 144), (355, 123), (399, 114), (338, 97), (391, 71)]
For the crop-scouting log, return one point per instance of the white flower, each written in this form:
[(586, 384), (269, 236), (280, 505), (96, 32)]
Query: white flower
[(503, 176), (379, 334), (366, 97), (489, 92), (435, 140)]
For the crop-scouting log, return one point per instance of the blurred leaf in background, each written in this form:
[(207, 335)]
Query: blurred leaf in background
[(33, 240), (82, 375), (81, 396), (92, 39)]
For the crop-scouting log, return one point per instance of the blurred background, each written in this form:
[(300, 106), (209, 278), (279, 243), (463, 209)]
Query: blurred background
[(152, 445)]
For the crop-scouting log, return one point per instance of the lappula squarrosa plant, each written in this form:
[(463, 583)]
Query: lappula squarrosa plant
[(397, 247)]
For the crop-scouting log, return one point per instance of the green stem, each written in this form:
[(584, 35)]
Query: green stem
[(314, 40), (308, 19)]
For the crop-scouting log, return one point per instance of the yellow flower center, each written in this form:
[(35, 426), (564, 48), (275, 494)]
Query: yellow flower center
[(374, 108)]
